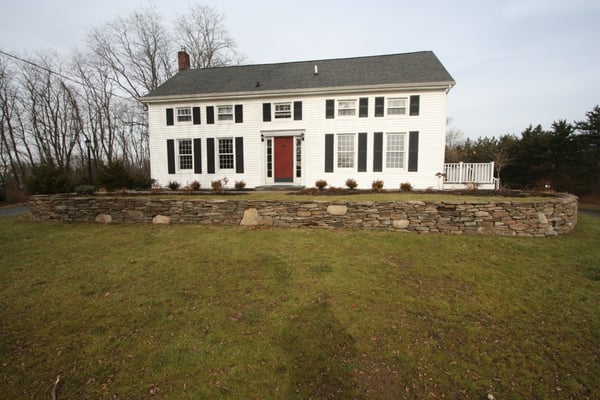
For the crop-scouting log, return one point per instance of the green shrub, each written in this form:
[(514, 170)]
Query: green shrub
[(173, 185), (85, 189), (351, 183), (116, 175), (48, 179)]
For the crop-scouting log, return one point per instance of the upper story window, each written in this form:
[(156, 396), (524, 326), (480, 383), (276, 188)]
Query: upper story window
[(346, 107), (184, 114), (396, 106), (283, 110), (225, 113)]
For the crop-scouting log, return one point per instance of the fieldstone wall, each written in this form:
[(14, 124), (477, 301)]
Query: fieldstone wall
[(548, 217)]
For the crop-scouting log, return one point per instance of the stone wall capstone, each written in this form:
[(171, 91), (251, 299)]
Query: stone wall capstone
[(546, 217)]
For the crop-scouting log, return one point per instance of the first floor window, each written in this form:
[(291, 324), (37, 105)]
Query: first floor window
[(184, 114), (345, 151), (226, 153), (269, 157), (185, 154), (394, 154), (346, 107), (225, 113), (283, 110), (396, 106)]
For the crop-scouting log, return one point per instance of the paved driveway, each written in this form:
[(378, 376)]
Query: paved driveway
[(11, 211)]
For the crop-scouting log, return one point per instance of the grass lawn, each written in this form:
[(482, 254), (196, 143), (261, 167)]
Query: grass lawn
[(202, 312)]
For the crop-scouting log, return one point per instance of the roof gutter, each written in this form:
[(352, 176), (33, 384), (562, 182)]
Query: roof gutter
[(306, 92)]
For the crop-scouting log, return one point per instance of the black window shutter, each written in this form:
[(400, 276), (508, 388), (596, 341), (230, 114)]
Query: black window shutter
[(210, 155), (378, 152), (171, 156), (379, 106), (197, 156), (266, 112), (329, 109), (414, 104), (363, 107), (329, 152), (170, 118), (362, 152), (239, 155), (210, 115), (239, 113), (413, 151), (196, 115), (298, 111)]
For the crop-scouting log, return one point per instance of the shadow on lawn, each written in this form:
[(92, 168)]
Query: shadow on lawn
[(321, 354)]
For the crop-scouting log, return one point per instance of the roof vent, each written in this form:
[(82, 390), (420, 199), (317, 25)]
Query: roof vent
[(257, 84), (316, 70)]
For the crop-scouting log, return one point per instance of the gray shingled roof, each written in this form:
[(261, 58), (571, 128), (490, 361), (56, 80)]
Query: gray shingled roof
[(394, 69)]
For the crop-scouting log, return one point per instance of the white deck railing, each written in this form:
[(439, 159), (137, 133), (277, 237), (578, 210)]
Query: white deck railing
[(463, 173)]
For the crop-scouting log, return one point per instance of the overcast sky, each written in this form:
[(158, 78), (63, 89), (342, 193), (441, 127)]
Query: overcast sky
[(516, 63)]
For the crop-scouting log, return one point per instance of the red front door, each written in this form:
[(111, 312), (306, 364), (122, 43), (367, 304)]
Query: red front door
[(284, 159)]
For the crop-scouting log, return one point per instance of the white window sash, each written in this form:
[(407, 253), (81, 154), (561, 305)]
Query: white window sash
[(184, 114), (346, 108), (225, 113)]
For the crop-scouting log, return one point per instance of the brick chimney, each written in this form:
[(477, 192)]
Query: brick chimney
[(183, 58)]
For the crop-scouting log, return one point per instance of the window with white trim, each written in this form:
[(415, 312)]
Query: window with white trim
[(346, 108), (226, 156), (397, 106), (184, 153), (345, 151), (298, 157), (269, 157), (395, 150), (283, 110), (225, 113), (184, 114)]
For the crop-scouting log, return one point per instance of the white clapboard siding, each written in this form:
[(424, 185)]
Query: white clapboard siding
[(430, 123)]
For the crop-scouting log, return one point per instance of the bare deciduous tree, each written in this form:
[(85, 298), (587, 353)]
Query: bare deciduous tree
[(49, 107), (136, 51), (201, 31), (52, 110), (11, 133)]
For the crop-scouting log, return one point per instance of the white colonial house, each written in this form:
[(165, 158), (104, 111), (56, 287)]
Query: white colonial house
[(365, 118)]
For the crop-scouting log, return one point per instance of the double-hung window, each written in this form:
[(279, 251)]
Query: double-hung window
[(396, 106), (184, 114), (283, 110), (226, 156), (225, 113), (395, 150), (185, 153), (345, 151), (346, 108)]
